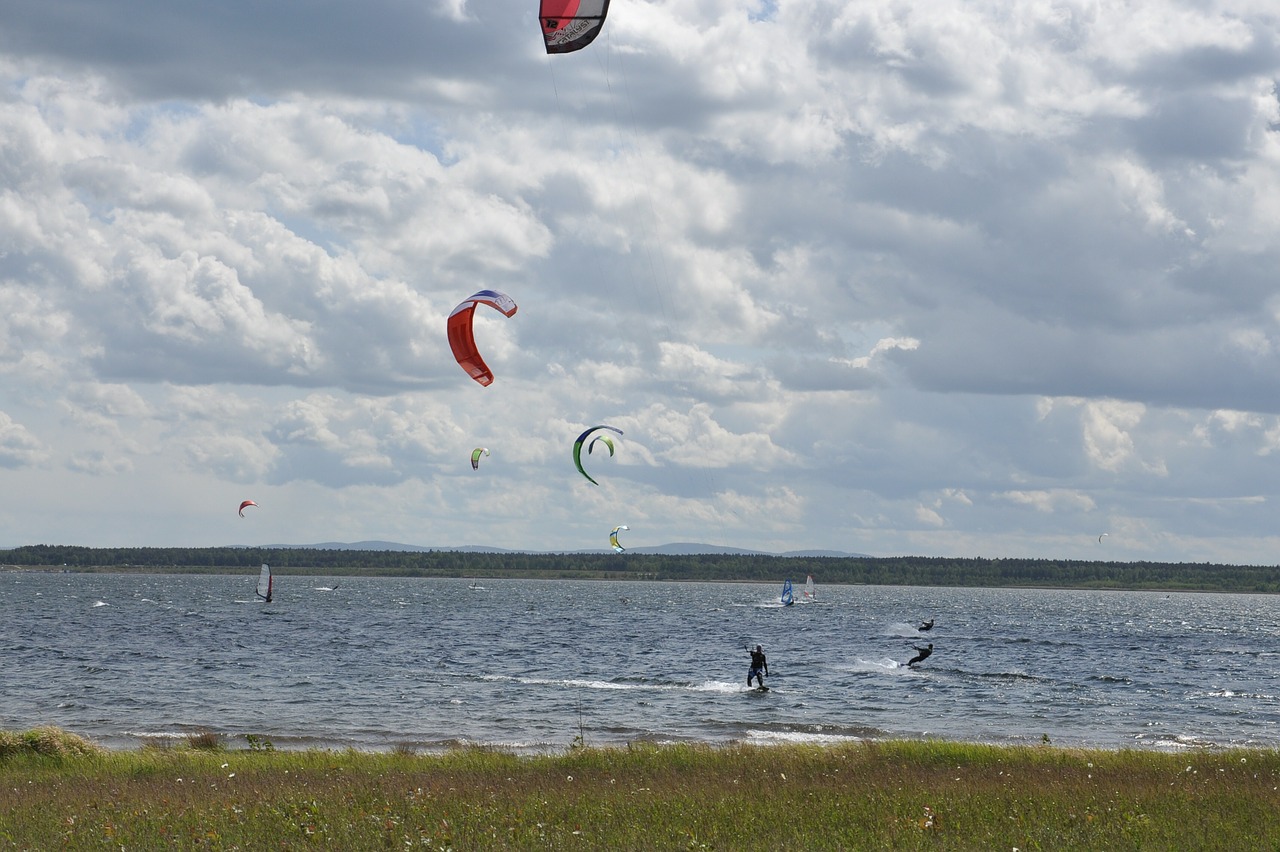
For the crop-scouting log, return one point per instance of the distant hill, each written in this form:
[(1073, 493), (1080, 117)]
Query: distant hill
[(679, 548), (687, 548), (679, 562), (364, 545), (690, 548)]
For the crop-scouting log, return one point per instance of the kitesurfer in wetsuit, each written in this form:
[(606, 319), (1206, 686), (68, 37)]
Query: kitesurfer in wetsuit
[(758, 664), (928, 625), (924, 652)]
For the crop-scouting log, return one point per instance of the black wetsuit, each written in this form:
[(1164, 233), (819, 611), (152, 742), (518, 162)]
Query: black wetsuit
[(758, 664), (924, 652), (928, 625)]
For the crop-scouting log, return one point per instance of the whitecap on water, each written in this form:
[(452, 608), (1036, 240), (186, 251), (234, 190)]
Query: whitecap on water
[(780, 737), (880, 666)]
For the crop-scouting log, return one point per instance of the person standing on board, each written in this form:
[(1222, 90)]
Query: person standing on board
[(923, 652), (758, 664)]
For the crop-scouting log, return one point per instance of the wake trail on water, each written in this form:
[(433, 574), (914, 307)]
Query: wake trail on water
[(902, 629), (884, 665), (582, 683)]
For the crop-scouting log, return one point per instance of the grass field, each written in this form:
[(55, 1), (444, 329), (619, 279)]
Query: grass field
[(59, 792)]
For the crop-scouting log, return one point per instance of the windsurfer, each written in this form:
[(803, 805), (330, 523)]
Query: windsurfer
[(264, 584), (759, 667), (923, 652)]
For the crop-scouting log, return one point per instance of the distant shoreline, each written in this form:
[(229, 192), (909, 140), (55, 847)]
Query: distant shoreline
[(924, 573)]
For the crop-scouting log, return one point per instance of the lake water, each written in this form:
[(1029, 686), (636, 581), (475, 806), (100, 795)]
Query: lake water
[(529, 665)]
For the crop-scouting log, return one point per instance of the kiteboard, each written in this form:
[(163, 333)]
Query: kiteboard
[(761, 689)]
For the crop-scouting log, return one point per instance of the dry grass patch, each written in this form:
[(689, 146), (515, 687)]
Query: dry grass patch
[(47, 741)]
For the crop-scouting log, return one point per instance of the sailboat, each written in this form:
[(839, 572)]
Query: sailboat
[(810, 591), (787, 597), (264, 584)]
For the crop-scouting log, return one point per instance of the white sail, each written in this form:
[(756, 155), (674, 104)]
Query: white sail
[(809, 590), (264, 584)]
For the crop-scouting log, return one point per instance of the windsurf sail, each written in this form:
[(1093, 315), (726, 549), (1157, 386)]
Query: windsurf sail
[(264, 584), (787, 597), (809, 589)]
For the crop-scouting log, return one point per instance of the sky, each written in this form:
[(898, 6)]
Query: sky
[(970, 279)]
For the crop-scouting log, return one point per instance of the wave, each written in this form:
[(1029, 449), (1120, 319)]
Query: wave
[(622, 684), (788, 737), (1248, 696), (880, 666), (668, 666), (1003, 675), (815, 733), (1178, 742)]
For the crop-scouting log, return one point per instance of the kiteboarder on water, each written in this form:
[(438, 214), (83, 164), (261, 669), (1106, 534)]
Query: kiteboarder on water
[(928, 625), (923, 652), (758, 664)]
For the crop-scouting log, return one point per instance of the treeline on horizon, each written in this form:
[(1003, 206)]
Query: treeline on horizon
[(889, 571)]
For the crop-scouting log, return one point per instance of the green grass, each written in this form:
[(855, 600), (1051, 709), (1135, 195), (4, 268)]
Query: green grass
[(893, 795)]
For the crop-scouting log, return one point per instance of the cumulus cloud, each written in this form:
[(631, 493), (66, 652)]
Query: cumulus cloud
[(976, 278), (1051, 501), (18, 447)]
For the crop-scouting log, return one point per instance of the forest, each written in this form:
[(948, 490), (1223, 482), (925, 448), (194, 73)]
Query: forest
[(896, 570)]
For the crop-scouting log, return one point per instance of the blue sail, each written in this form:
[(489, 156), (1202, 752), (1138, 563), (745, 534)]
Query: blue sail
[(787, 598)]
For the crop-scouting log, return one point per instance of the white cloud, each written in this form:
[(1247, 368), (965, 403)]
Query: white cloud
[(695, 439), (1051, 501), (888, 344), (1140, 189), (18, 447), (968, 279), (929, 517)]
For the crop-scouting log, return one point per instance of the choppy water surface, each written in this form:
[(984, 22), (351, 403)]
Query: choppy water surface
[(528, 665)]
